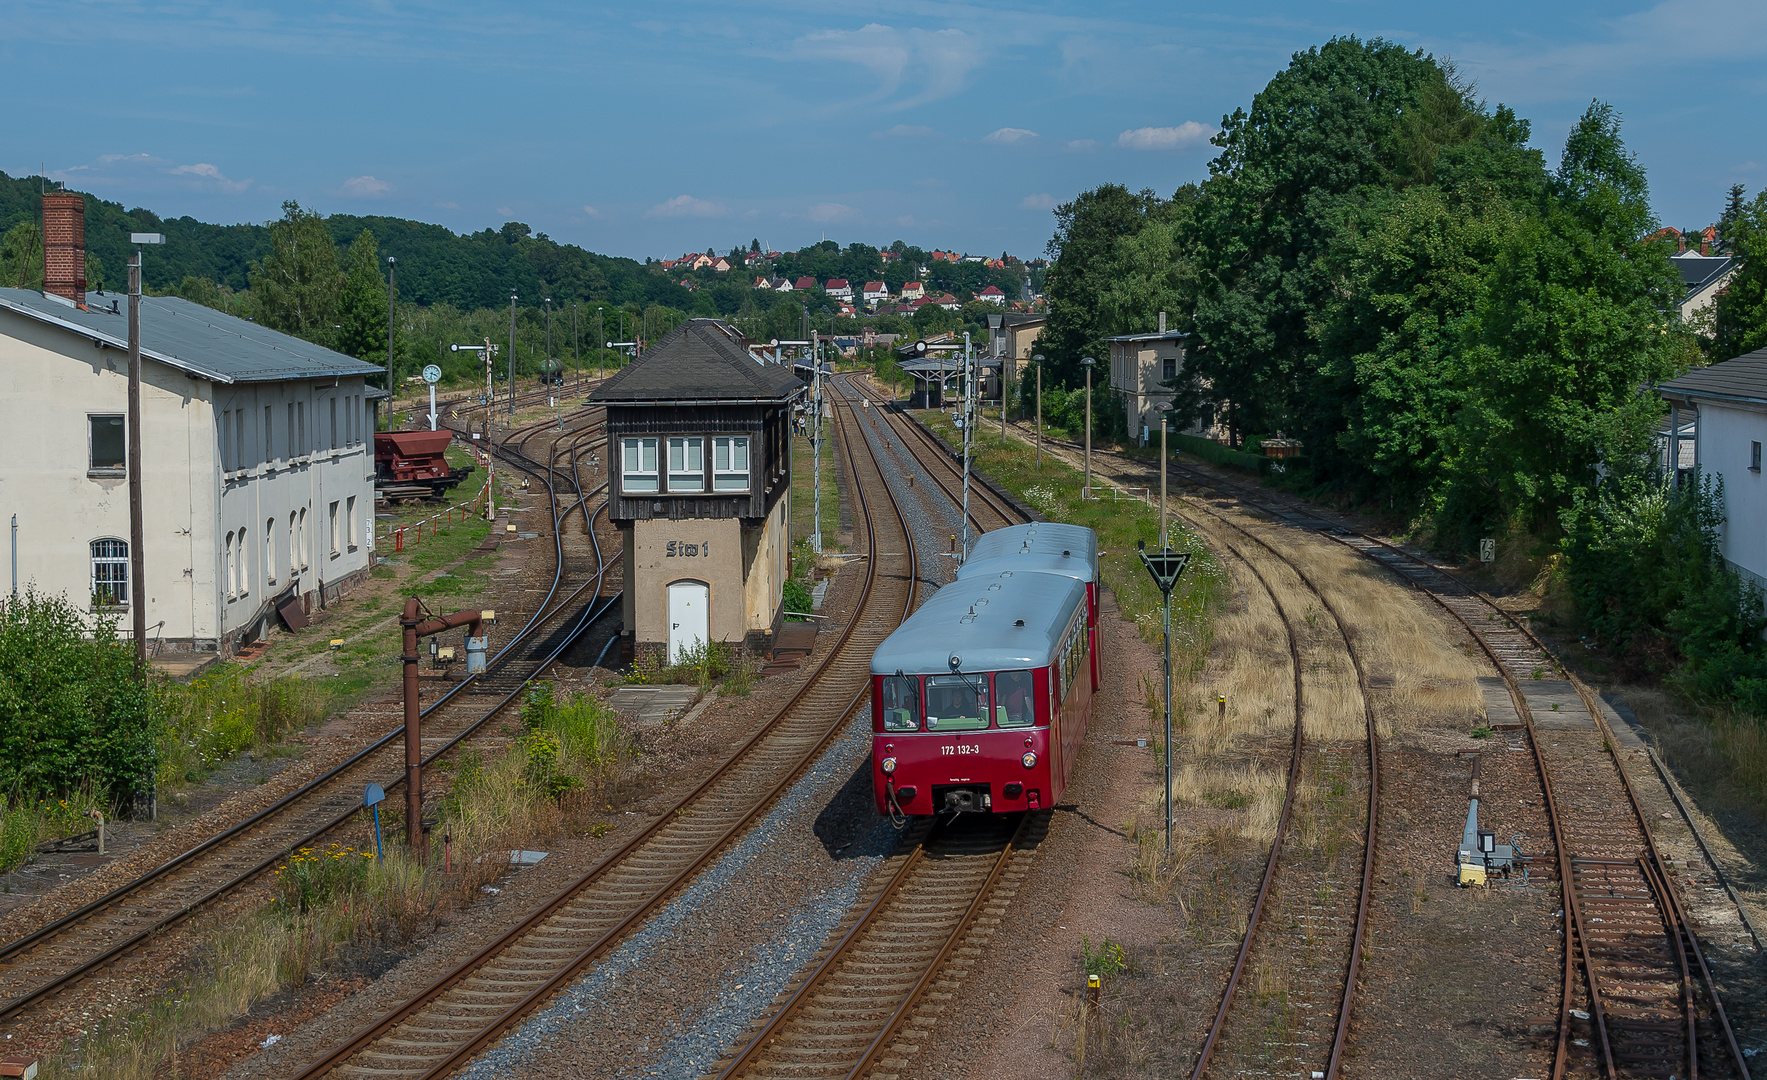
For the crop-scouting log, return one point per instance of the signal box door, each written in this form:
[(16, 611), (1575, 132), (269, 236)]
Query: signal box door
[(689, 617)]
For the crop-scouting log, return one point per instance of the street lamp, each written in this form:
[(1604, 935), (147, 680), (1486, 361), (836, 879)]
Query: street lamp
[(392, 290), (1087, 362), (1037, 362), (511, 383), (137, 530)]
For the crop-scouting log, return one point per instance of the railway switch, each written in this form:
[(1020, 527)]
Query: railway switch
[(1480, 854)]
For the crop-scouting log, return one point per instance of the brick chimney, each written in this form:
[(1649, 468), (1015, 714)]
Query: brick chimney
[(64, 246)]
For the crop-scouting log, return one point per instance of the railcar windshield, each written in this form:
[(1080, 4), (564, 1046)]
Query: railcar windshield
[(1015, 704), (956, 702), (901, 703)]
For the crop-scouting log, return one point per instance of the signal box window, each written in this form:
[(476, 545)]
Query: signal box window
[(1015, 704), (638, 465), (956, 702), (687, 464), (109, 447), (1169, 368), (901, 703), (730, 463)]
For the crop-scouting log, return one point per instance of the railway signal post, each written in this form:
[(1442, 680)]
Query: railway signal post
[(476, 643), (1165, 569)]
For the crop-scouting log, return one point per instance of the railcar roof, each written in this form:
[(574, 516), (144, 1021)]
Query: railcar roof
[(1044, 546), (990, 639)]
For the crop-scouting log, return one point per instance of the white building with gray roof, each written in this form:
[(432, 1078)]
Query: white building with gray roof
[(1727, 403), (257, 464)]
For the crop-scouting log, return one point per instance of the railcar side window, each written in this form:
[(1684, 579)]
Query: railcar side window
[(1014, 702), (901, 703), (956, 702)]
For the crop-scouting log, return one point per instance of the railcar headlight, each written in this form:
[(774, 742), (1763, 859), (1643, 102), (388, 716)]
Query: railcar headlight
[(888, 765), (1030, 759)]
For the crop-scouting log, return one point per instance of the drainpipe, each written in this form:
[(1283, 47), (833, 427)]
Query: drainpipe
[(15, 556), (414, 629)]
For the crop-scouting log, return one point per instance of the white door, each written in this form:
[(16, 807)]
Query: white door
[(689, 617)]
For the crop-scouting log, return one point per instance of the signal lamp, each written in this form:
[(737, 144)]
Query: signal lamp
[(1030, 759), (888, 765)]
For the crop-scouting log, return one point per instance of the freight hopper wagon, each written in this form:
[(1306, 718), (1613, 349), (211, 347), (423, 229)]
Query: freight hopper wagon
[(1044, 547), (411, 465), (980, 700)]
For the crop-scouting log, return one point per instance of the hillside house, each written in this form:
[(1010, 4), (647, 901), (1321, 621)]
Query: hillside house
[(805, 284), (948, 302), (1727, 404), (876, 292), (1703, 277), (914, 290), (257, 464), (992, 295), (839, 288)]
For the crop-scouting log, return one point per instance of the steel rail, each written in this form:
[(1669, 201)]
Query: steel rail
[(178, 912), (531, 1000), (948, 458)]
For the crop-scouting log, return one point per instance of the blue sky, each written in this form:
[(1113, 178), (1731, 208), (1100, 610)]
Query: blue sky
[(650, 128)]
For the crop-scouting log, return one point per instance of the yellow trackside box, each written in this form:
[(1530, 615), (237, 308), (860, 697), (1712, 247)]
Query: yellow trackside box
[(1471, 874)]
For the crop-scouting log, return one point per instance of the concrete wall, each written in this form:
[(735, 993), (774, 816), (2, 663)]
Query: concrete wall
[(1724, 438), (745, 569), (767, 564), (51, 380)]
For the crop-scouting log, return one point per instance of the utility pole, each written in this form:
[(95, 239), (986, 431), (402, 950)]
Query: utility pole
[(1037, 362), (969, 423), (137, 530), (1088, 362), (392, 290), (816, 443), (511, 383), (600, 342), (576, 347), (1161, 410), (477, 644)]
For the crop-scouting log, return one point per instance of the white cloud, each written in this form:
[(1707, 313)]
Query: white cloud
[(506, 211), (366, 187), (1165, 138), (905, 131), (1083, 145), (831, 211), (134, 170), (1009, 135), (686, 206), (591, 211), (1040, 201), (933, 64)]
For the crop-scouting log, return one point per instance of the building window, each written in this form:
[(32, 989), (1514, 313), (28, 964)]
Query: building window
[(239, 438), (333, 422), (229, 575), (730, 463), (638, 465), (108, 452), (687, 464), (294, 558), (110, 573), (1754, 457), (245, 576), (334, 530), (269, 450), (1169, 368), (289, 438), (270, 552), (302, 412), (303, 538), (350, 522)]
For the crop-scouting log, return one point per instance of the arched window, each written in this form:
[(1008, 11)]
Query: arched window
[(294, 556), (232, 573), (270, 552), (245, 577), (110, 573)]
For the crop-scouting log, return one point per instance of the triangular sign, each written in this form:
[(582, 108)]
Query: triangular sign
[(1165, 566)]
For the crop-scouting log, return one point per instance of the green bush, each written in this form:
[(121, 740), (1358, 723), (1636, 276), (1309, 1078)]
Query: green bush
[(74, 709), (223, 713), (795, 597), (1643, 567)]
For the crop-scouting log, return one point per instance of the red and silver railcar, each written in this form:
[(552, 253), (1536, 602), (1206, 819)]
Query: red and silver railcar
[(980, 699), (1046, 547)]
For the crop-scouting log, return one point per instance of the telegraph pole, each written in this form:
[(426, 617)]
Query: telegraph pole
[(1037, 362), (816, 442), (1088, 362), (969, 423), (511, 383), (600, 342), (137, 557), (392, 290), (576, 347)]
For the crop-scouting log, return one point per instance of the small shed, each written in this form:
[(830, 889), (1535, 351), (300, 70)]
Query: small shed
[(699, 452)]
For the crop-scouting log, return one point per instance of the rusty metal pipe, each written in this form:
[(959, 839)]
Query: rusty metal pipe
[(413, 734)]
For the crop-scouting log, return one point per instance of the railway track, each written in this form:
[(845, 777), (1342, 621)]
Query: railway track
[(858, 1010), (1638, 998), (441, 1028), (42, 964)]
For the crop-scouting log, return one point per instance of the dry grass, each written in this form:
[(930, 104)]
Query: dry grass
[(1720, 754)]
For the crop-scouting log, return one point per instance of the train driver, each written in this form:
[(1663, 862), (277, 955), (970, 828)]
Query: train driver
[(1013, 691)]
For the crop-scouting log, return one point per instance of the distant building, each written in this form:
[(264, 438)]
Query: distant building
[(1140, 364), (1703, 277), (257, 464), (1727, 403), (699, 448), (839, 288), (914, 290), (876, 292), (948, 302), (805, 284), (992, 295)]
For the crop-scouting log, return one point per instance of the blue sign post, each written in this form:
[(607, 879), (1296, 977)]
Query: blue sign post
[(372, 797)]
